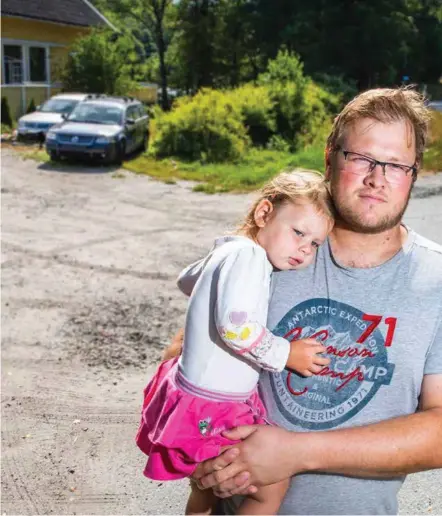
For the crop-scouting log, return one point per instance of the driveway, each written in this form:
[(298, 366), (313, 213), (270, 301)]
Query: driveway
[(89, 300)]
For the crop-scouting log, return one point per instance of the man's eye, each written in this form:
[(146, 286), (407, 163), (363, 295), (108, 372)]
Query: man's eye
[(360, 161), (299, 233), (396, 167)]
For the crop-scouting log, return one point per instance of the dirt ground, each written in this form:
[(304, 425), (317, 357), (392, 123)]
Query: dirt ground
[(89, 261)]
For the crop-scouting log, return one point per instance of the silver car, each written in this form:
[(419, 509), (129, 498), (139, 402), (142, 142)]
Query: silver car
[(35, 125)]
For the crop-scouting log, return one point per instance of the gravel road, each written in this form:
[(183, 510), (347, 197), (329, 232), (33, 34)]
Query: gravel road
[(89, 260)]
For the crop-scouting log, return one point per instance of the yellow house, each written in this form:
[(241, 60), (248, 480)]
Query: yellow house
[(36, 35)]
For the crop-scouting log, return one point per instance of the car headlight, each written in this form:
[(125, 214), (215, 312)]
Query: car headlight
[(103, 139), (21, 124), (50, 135)]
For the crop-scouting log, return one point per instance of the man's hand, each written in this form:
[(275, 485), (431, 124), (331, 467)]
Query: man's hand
[(305, 357), (265, 456)]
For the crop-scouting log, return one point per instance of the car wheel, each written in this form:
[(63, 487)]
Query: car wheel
[(120, 153), (54, 156), (144, 142), (116, 155)]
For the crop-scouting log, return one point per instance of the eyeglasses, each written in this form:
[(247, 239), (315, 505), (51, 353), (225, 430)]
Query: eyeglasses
[(363, 165)]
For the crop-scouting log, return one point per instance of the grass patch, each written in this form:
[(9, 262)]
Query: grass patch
[(247, 174), (433, 154)]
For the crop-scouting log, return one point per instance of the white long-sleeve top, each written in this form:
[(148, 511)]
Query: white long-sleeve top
[(226, 341)]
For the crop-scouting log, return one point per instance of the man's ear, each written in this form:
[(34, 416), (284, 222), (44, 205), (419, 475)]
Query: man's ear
[(263, 212)]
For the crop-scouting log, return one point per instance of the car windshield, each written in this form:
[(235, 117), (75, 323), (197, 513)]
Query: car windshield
[(96, 114), (59, 106)]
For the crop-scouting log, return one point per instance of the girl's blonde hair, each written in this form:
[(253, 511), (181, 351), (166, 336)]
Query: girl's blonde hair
[(297, 187)]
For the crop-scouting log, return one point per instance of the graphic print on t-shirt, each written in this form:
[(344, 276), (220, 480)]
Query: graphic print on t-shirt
[(359, 363)]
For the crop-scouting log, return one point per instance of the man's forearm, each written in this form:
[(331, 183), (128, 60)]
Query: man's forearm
[(387, 449)]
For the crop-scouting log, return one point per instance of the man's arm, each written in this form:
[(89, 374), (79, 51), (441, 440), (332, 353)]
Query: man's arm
[(382, 450)]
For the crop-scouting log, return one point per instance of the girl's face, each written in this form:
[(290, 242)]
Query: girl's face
[(291, 233)]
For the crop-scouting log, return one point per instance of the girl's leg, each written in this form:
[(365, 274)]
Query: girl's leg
[(266, 500), (200, 502)]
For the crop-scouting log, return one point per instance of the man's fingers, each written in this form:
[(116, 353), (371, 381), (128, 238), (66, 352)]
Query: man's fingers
[(243, 490), (225, 479), (315, 369), (218, 463), (239, 433), (234, 485)]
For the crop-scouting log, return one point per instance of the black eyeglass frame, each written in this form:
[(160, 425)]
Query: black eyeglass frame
[(383, 164)]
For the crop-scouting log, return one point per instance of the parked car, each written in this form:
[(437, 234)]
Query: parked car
[(102, 127), (35, 125)]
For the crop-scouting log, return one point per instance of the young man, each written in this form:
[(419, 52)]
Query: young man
[(351, 432)]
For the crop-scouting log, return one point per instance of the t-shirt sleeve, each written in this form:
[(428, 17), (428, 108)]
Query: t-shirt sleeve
[(189, 276), (433, 362), (241, 309)]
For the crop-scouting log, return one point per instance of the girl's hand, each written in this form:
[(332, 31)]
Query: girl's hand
[(305, 357)]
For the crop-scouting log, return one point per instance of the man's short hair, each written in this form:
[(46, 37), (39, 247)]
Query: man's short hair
[(385, 105)]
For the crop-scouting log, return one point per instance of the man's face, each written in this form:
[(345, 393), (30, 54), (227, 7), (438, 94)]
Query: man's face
[(370, 204)]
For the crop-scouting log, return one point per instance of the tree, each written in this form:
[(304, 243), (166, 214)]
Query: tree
[(150, 15), (102, 62)]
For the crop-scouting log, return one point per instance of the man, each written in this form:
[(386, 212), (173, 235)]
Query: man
[(350, 433)]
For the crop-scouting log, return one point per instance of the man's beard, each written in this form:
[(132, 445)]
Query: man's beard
[(356, 222)]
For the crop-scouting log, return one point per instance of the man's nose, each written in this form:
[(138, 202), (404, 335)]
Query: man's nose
[(376, 178)]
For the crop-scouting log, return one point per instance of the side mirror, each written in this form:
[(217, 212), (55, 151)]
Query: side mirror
[(130, 121), (64, 116)]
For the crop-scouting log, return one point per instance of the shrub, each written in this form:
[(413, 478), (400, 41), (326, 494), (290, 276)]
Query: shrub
[(6, 114), (206, 127), (303, 109), (257, 111), (31, 107), (316, 112)]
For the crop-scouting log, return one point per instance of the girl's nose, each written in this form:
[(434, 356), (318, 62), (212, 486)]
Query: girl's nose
[(306, 248)]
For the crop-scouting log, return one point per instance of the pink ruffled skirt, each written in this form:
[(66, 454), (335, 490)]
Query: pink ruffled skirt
[(181, 424)]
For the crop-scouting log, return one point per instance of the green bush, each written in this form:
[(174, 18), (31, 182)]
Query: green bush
[(316, 114), (6, 113), (206, 127), (303, 109), (31, 107), (257, 111)]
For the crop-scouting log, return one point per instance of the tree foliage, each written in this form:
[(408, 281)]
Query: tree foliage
[(102, 62)]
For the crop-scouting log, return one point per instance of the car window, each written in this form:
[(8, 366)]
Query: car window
[(132, 113), (59, 106), (141, 110), (97, 114)]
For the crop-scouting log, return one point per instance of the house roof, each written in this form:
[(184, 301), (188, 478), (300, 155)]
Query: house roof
[(70, 12)]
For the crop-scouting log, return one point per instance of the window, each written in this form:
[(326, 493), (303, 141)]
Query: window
[(37, 64), (132, 113), (141, 111), (12, 58)]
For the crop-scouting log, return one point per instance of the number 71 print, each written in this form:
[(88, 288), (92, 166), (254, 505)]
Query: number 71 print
[(375, 320)]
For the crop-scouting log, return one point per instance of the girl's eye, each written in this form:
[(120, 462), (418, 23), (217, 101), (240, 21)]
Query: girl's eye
[(315, 245), (299, 233)]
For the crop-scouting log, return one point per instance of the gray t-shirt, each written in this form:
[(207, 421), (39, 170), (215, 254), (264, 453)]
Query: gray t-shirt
[(382, 327)]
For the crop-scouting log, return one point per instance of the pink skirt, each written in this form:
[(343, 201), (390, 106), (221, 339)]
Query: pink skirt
[(181, 424)]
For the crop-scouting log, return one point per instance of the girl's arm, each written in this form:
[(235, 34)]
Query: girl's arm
[(242, 295)]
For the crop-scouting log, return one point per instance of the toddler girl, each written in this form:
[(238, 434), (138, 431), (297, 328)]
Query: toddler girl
[(212, 386)]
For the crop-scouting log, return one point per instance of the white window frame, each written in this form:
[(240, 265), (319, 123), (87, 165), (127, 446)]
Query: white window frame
[(25, 45)]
